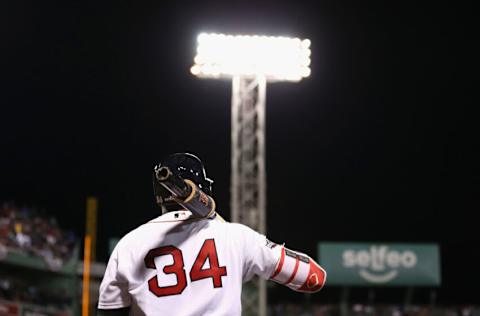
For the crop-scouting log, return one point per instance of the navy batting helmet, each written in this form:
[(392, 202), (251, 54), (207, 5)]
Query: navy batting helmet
[(186, 166)]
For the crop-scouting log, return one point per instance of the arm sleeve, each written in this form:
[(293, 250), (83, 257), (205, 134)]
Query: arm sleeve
[(299, 272), (268, 260), (113, 292)]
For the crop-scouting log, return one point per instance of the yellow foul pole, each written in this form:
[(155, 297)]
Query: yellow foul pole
[(89, 251), (86, 277)]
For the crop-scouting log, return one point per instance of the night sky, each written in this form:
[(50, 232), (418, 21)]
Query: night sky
[(380, 143)]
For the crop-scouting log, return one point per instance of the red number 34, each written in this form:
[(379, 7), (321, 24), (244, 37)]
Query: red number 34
[(208, 250)]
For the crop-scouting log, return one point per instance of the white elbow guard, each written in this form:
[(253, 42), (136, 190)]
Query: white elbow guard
[(299, 272)]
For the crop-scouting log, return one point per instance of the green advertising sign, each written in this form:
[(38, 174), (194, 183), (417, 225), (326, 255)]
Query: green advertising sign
[(380, 264)]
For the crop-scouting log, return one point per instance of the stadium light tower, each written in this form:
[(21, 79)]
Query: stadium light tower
[(250, 61)]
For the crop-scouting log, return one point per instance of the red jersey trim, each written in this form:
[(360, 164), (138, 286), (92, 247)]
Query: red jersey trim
[(280, 264), (297, 263)]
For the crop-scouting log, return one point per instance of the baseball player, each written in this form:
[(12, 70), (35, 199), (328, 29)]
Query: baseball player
[(181, 263)]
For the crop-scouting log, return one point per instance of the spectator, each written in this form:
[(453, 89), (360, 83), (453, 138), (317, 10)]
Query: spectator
[(24, 230)]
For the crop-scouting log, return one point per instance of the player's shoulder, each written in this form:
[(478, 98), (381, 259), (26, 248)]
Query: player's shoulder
[(130, 237), (164, 223), (135, 235), (240, 229)]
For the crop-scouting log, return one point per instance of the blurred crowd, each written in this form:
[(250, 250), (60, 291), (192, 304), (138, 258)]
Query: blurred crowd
[(18, 290), (371, 310), (25, 230)]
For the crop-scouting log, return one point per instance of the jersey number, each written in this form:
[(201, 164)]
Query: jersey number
[(208, 250)]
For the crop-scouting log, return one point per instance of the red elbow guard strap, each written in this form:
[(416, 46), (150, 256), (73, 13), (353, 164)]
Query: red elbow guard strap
[(299, 272)]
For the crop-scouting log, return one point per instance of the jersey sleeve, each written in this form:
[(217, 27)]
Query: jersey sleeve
[(113, 291), (260, 255)]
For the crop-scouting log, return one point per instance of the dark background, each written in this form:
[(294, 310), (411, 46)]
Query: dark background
[(378, 144)]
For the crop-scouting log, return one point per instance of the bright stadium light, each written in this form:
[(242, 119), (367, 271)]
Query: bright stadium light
[(251, 62), (275, 58)]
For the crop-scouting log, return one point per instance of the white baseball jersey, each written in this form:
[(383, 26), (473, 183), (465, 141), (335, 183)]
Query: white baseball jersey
[(179, 265)]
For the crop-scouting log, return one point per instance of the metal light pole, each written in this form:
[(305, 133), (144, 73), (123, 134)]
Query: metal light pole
[(248, 178), (250, 61)]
